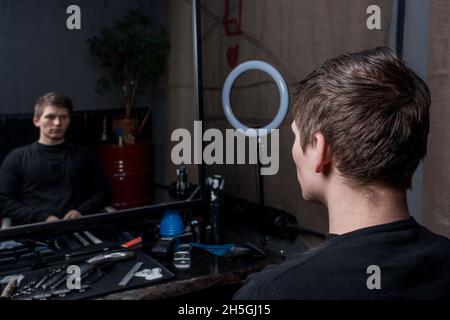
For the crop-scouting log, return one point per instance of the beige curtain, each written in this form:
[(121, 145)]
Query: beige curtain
[(436, 196), (295, 37)]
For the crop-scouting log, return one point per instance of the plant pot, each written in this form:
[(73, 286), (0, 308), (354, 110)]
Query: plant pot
[(126, 127)]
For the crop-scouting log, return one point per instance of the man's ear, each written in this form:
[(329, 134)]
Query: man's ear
[(36, 121), (322, 156)]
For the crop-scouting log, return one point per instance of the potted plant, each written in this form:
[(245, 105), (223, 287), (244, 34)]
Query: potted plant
[(132, 51)]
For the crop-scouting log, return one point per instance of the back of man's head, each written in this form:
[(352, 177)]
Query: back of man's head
[(373, 112), (53, 99)]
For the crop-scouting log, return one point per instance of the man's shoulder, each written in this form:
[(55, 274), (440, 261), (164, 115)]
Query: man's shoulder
[(433, 241), (25, 148), (342, 262), (17, 158), (297, 271), (22, 151)]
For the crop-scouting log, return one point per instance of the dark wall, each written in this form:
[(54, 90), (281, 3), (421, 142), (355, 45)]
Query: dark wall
[(39, 54)]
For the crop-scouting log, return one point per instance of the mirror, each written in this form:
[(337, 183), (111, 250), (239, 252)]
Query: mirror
[(126, 104)]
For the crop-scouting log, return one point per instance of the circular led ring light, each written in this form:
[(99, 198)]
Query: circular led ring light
[(282, 89)]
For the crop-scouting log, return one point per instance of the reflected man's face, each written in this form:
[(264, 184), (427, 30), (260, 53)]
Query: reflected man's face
[(53, 123)]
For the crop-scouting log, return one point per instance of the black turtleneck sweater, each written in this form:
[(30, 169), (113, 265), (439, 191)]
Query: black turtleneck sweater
[(38, 180), (412, 263)]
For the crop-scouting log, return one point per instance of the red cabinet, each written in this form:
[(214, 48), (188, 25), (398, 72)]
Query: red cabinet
[(128, 172)]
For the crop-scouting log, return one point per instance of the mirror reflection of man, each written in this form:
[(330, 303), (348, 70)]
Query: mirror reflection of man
[(51, 179)]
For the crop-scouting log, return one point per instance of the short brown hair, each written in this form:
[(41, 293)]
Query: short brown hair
[(373, 112), (52, 99)]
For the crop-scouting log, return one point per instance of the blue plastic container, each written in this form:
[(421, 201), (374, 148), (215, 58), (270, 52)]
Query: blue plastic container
[(171, 224)]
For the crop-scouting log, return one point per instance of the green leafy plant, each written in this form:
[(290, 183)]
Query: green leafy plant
[(132, 50)]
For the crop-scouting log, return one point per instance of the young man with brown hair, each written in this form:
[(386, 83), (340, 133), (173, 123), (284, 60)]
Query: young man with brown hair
[(361, 123), (51, 179)]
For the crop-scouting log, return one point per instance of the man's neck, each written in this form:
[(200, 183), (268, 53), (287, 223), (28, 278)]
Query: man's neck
[(350, 210), (50, 142)]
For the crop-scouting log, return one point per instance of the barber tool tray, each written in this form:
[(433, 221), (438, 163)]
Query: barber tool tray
[(98, 275), (88, 273)]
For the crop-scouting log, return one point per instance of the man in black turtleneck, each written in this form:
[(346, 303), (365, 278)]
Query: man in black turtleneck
[(360, 127), (51, 179)]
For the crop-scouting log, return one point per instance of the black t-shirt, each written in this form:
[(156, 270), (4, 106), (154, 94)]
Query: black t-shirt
[(411, 262), (40, 180)]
